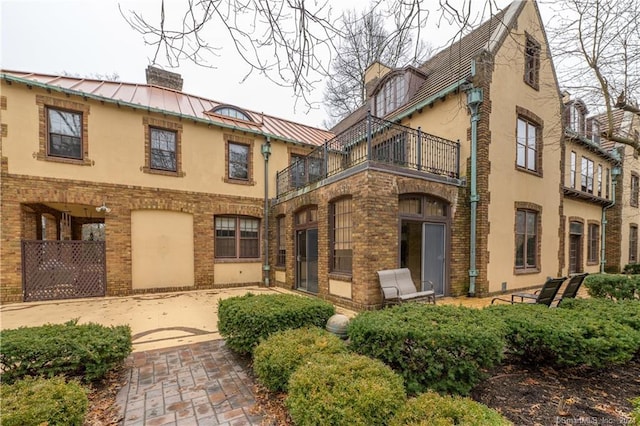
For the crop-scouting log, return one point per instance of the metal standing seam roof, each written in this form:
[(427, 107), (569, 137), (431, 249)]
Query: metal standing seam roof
[(147, 96)]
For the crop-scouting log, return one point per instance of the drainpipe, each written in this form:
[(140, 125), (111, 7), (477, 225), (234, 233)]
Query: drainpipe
[(266, 152), (615, 172), (474, 99)]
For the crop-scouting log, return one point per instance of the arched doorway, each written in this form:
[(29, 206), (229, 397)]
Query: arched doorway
[(424, 233)]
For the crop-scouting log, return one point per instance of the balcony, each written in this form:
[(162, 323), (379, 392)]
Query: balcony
[(379, 144)]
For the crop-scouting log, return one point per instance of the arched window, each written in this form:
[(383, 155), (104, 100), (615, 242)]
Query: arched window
[(392, 95), (232, 112)]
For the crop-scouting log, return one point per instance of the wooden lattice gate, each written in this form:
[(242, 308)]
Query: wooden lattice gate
[(54, 270)]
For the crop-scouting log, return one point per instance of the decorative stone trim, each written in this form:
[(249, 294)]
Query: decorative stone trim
[(149, 122), (45, 102), (239, 140), (539, 123)]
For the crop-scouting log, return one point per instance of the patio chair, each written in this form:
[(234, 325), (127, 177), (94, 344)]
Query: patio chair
[(397, 287), (571, 290), (544, 296)]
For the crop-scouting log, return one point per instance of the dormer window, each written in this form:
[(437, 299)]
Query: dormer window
[(231, 112), (391, 96), (595, 132), (575, 117)]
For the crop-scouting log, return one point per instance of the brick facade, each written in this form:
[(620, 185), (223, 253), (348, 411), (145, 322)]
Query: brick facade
[(375, 230), (18, 223)]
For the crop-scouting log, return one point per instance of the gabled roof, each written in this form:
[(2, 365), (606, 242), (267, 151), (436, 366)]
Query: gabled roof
[(622, 121), (171, 102), (453, 64)]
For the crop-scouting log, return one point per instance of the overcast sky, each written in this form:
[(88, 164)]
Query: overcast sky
[(88, 37)]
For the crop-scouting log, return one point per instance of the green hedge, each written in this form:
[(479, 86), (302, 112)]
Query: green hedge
[(613, 286), (344, 389), (43, 402), (87, 351), (631, 268), (558, 337), (244, 320), (431, 409), (626, 312), (635, 414), (276, 358), (444, 348)]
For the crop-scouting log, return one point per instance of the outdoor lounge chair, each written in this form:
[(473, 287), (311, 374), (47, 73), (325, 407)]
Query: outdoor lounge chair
[(545, 296), (571, 290), (397, 287)]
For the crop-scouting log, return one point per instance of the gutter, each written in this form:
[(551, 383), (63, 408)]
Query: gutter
[(474, 99), (266, 152), (119, 103), (447, 90)]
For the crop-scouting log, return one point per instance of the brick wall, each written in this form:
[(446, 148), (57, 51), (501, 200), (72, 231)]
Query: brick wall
[(375, 228), (18, 223)]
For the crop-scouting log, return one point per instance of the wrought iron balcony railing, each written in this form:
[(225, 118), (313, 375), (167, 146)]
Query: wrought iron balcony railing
[(377, 140)]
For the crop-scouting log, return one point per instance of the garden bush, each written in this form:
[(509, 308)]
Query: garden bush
[(631, 269), (431, 409), (635, 414), (613, 286), (87, 351), (344, 389), (244, 320), (444, 348), (277, 357), (39, 401), (625, 312), (560, 338)]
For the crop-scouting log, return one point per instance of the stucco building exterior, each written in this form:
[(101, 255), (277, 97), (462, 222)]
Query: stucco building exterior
[(458, 170)]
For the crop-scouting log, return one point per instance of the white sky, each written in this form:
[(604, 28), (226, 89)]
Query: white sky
[(88, 37)]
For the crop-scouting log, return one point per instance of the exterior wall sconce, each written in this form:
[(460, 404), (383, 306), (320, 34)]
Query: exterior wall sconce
[(103, 208)]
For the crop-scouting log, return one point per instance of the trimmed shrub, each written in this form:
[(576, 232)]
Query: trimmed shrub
[(560, 338), (631, 269), (626, 312), (43, 402), (613, 286), (276, 358), (635, 414), (444, 348), (344, 389), (244, 320), (431, 409), (87, 351)]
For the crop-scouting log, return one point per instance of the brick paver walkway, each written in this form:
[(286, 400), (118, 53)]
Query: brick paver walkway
[(198, 384)]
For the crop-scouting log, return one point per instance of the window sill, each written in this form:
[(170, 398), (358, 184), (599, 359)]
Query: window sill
[(534, 86), (530, 172), (593, 263), (279, 268), (531, 271), (341, 276), (239, 181), (83, 162), (237, 260), (162, 172)]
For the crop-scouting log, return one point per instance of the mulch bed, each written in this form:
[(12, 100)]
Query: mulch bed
[(524, 395)]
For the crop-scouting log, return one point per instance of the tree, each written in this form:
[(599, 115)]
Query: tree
[(597, 54), (291, 42), (364, 41)]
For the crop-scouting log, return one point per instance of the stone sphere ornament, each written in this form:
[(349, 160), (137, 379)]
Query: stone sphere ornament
[(337, 325)]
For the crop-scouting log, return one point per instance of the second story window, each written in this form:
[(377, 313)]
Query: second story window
[(163, 149), (586, 181), (576, 118), (526, 155), (238, 161), (599, 180), (532, 62), (65, 134), (635, 190), (573, 170)]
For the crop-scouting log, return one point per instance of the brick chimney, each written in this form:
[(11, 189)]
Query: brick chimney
[(162, 78)]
